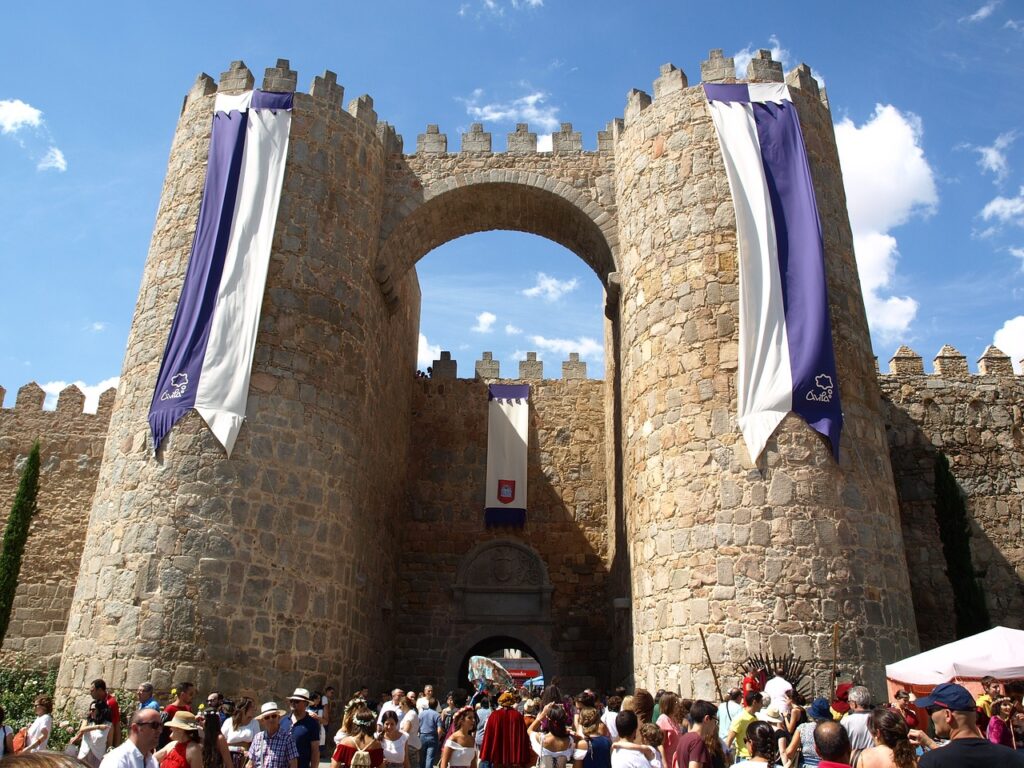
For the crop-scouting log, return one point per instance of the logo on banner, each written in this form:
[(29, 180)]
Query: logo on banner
[(179, 383), (506, 491), (824, 384)]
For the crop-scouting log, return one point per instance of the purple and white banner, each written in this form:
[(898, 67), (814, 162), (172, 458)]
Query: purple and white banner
[(208, 357), (508, 425), (786, 359)]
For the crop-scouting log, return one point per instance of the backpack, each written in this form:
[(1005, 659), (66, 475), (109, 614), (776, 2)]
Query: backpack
[(361, 759), (21, 739)]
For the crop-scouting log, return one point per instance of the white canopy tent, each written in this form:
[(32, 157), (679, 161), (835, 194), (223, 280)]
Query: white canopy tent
[(998, 652)]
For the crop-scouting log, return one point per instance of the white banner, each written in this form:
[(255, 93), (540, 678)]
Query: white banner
[(508, 423)]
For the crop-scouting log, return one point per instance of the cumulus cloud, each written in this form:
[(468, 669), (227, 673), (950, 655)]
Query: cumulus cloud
[(24, 123), (1005, 210), (588, 348), (1010, 339), (888, 180), (52, 160), (780, 53), (982, 13), (1019, 253), (532, 108), (92, 392), (484, 322), (427, 353), (16, 115), (992, 159), (512, 330), (550, 288)]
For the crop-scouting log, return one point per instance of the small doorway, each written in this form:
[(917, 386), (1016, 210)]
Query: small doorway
[(521, 662)]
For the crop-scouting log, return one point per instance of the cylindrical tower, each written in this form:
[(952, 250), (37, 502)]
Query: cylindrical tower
[(267, 570), (766, 557)]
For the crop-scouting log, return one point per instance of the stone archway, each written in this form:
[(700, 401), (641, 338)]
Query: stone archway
[(500, 582)]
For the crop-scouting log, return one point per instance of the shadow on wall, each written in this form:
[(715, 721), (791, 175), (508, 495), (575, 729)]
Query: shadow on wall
[(948, 545), (566, 527)]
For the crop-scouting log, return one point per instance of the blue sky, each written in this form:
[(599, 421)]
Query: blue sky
[(926, 97)]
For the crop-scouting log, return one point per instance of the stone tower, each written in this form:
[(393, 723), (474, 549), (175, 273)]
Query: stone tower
[(274, 568)]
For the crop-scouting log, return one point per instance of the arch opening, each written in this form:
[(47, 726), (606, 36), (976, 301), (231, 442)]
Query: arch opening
[(516, 656)]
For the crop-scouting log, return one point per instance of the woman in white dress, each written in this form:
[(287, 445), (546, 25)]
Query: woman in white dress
[(240, 729), (460, 748), (393, 741), (94, 733), (555, 746)]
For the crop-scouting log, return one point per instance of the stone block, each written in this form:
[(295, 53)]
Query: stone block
[(950, 362), (531, 367), (236, 78), (445, 368), (566, 140), (718, 68), (906, 361), (432, 142), (764, 69), (574, 368), (487, 367), (280, 78), (671, 80), (325, 88), (802, 78), (522, 141), (476, 140), (993, 362)]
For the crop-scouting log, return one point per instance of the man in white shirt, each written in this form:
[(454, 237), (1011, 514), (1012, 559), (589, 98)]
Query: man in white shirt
[(775, 689), (857, 720), (422, 702), (137, 750), (395, 705)]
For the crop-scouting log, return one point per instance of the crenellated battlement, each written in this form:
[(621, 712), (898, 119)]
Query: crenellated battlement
[(530, 368), (950, 363), (31, 397)]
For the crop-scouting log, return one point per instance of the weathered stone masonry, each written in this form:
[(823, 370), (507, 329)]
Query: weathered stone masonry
[(284, 564)]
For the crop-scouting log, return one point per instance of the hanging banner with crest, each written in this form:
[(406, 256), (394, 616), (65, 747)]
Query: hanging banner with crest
[(786, 359), (508, 422), (208, 357)]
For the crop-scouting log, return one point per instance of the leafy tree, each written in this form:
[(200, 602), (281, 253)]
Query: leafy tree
[(15, 535)]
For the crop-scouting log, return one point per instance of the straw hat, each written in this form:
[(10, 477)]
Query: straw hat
[(270, 708), (771, 715), (184, 721), (301, 694)]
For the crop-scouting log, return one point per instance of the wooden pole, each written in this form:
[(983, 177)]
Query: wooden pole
[(835, 659), (711, 664)]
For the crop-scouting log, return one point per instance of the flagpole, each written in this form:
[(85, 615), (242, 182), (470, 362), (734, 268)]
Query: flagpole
[(835, 658), (711, 664)]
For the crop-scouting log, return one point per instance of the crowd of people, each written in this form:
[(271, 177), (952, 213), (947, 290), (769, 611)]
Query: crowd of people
[(767, 723)]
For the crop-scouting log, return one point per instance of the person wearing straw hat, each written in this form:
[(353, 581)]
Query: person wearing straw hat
[(273, 747), (183, 750), (304, 728)]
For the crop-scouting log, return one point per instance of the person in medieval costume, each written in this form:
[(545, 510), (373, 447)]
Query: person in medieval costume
[(506, 742)]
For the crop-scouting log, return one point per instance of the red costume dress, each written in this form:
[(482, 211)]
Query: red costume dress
[(344, 754), (176, 757), (505, 740)]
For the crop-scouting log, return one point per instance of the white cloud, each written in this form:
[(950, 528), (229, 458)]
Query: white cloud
[(742, 59), (983, 12), (15, 114), (993, 157), (588, 348), (1010, 339), (484, 322), (517, 4), (888, 180), (92, 392), (531, 108), (52, 160), (550, 288), (1019, 253), (1005, 210), (427, 353), (97, 326), (1016, 26), (544, 143), (512, 330)]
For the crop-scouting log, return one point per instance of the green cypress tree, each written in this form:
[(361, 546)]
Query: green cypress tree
[(16, 534)]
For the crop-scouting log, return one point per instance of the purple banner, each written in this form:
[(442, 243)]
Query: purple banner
[(183, 356), (802, 268)]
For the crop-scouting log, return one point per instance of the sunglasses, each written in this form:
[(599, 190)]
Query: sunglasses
[(271, 717)]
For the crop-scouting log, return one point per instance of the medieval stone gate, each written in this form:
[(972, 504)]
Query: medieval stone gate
[(332, 545)]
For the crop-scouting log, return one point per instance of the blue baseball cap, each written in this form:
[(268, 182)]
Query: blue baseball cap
[(948, 696)]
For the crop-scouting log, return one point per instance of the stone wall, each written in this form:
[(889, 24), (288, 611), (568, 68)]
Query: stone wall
[(975, 420), (71, 446), (763, 556), (265, 570), (443, 522)]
